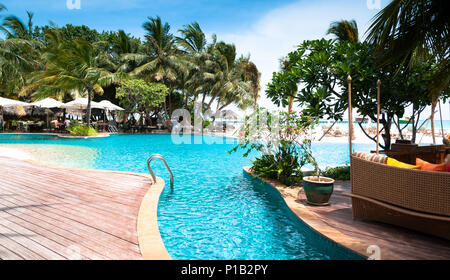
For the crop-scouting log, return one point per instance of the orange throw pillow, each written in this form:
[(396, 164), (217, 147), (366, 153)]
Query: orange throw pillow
[(430, 166)]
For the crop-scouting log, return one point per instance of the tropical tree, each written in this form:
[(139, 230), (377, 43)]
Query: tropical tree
[(253, 76), (160, 61), (322, 68), (192, 38), (344, 30), (71, 66), (138, 96), (408, 32), (19, 53)]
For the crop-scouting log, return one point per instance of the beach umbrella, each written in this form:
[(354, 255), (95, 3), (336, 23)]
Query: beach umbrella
[(48, 103), (81, 103), (228, 114), (6, 103), (108, 105)]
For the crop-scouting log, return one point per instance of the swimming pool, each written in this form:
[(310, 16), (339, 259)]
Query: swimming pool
[(215, 211)]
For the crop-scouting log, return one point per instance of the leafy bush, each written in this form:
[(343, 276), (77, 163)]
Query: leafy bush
[(282, 140), (285, 165), (81, 130), (341, 173)]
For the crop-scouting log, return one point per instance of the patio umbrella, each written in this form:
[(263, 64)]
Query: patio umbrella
[(228, 114), (81, 103), (48, 103), (6, 103), (108, 105)]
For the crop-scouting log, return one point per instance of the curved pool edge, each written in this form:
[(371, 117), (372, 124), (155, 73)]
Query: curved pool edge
[(150, 241), (313, 221), (62, 136)]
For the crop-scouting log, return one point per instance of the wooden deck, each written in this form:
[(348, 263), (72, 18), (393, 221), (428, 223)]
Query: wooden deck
[(58, 213), (399, 242)]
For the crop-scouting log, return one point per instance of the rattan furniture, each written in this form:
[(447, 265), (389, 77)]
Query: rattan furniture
[(414, 199)]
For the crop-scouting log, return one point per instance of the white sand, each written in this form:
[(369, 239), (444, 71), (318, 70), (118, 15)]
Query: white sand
[(15, 153)]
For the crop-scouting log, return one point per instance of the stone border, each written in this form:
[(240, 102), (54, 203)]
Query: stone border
[(149, 238), (312, 220), (64, 136)]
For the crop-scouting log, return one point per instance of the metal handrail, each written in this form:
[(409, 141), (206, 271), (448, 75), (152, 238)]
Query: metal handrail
[(167, 166)]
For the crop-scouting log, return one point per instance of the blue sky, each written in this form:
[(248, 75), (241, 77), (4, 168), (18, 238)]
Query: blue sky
[(265, 29)]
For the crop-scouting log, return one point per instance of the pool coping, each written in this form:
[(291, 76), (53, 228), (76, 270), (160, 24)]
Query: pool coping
[(150, 241), (313, 221), (62, 136)]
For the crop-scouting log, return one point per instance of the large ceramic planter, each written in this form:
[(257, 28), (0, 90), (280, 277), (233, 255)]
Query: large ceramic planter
[(318, 192)]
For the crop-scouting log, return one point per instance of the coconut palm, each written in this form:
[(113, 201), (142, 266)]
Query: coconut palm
[(224, 76), (71, 66), (160, 62), (408, 31), (344, 30), (253, 76), (13, 27), (19, 53), (192, 38)]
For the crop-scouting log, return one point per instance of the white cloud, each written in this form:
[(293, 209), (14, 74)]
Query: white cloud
[(279, 31)]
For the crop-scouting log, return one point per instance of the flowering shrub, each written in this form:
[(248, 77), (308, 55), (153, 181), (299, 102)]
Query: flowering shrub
[(283, 139)]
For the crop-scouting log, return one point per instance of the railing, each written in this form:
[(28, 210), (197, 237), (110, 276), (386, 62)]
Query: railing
[(158, 156)]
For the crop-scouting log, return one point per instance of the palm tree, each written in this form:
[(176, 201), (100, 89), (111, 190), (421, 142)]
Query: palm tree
[(253, 76), (408, 31), (19, 53), (192, 39), (71, 66), (13, 27), (193, 42), (224, 76), (161, 60), (344, 30)]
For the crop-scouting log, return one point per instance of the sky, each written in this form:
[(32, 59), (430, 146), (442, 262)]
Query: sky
[(265, 29)]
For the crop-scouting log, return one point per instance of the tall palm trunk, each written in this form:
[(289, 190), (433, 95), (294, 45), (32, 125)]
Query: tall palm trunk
[(433, 109), (89, 108)]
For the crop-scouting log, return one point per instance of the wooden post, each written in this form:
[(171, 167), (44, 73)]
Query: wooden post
[(350, 118), (378, 116)]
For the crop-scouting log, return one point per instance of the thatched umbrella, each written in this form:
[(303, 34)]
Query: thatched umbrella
[(48, 103)]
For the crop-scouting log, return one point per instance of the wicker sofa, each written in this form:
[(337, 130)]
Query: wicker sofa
[(414, 199)]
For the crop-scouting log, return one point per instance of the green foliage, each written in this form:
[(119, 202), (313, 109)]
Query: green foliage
[(284, 165), (341, 173), (322, 67), (282, 140), (138, 96), (81, 130)]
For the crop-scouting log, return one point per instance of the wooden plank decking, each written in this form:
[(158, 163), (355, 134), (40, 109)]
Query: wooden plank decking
[(58, 213), (402, 243)]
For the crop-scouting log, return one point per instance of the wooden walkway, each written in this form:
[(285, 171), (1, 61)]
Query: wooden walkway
[(58, 213), (402, 243)]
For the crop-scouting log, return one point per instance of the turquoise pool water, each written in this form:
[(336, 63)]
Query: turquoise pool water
[(215, 210)]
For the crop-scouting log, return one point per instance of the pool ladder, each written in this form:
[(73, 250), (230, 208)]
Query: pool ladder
[(158, 156)]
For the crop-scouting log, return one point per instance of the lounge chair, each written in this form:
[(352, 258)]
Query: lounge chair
[(414, 199)]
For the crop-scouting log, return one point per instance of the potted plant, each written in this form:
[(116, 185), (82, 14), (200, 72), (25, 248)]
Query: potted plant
[(284, 142)]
